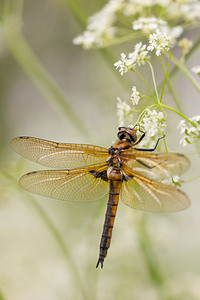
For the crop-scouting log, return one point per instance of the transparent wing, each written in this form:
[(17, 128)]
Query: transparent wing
[(81, 185), (156, 166), (58, 155), (144, 194)]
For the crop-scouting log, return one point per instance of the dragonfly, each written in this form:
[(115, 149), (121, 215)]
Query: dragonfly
[(87, 173)]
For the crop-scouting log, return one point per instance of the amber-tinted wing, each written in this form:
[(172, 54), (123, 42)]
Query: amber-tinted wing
[(144, 194), (81, 184), (156, 166), (58, 155)]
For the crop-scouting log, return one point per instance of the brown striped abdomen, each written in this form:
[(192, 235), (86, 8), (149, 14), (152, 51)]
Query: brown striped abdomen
[(115, 181)]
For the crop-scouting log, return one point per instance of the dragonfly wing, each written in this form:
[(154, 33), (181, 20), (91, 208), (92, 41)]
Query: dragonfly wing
[(144, 194), (82, 184), (58, 155), (156, 166)]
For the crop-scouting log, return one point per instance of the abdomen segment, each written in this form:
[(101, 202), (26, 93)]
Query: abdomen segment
[(115, 181)]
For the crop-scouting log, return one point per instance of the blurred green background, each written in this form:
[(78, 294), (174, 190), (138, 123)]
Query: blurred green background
[(49, 248)]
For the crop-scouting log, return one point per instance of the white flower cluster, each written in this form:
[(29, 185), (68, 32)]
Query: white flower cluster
[(148, 25), (158, 41), (135, 96), (137, 57), (153, 123), (100, 26), (103, 26), (124, 112), (190, 10), (191, 133)]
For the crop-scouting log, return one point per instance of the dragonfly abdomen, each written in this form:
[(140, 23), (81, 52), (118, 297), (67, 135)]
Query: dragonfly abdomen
[(115, 180)]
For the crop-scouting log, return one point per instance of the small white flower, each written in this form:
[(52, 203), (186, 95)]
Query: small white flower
[(191, 10), (148, 25), (135, 96), (190, 132), (137, 57), (196, 69), (158, 41), (139, 54), (124, 64), (100, 27), (124, 112), (153, 123)]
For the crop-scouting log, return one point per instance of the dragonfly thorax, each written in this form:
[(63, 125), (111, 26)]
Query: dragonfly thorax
[(114, 159)]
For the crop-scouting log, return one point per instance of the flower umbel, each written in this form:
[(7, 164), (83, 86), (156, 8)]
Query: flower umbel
[(148, 25), (153, 123), (137, 57), (100, 27), (135, 96), (124, 112), (191, 133), (158, 41)]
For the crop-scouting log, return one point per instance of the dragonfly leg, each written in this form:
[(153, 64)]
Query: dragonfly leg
[(153, 149)]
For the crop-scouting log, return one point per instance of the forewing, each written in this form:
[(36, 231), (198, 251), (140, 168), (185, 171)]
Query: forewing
[(82, 185), (58, 155), (144, 194), (156, 166)]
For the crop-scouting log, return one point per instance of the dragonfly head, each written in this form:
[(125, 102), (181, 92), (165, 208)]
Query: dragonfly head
[(128, 134)]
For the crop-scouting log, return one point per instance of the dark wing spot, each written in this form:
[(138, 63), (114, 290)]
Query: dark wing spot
[(24, 137), (145, 165), (102, 175), (30, 173)]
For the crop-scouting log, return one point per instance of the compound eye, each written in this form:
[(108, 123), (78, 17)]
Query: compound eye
[(121, 135)]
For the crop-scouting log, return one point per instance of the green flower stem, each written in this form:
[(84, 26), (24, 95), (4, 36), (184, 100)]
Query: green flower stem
[(164, 140), (186, 72), (178, 113), (150, 259), (170, 87), (11, 7), (148, 253), (188, 55), (144, 111), (145, 96), (154, 80), (28, 61), (1, 296), (54, 233), (123, 39), (135, 70), (61, 244), (193, 178), (78, 12), (164, 83)]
